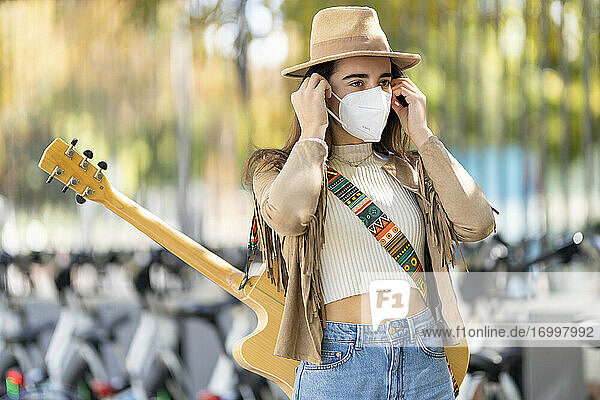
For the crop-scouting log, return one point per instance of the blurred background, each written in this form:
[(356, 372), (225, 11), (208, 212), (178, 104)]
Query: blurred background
[(174, 95)]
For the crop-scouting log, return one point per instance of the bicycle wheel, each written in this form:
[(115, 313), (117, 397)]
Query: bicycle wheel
[(505, 389)]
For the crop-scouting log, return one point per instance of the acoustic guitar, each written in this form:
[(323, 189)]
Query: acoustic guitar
[(254, 352)]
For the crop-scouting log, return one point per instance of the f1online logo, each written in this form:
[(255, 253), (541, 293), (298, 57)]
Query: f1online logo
[(389, 300)]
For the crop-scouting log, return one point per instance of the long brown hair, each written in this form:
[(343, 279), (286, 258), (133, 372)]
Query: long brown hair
[(392, 139)]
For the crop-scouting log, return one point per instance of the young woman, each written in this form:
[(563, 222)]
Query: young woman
[(349, 116)]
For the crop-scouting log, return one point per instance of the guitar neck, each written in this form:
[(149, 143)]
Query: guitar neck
[(189, 251)]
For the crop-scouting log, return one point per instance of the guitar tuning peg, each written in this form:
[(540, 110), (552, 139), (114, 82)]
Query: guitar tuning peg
[(57, 171), (88, 155), (102, 167), (71, 151), (79, 199), (72, 182)]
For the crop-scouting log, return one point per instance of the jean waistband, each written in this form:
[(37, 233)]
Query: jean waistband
[(394, 331)]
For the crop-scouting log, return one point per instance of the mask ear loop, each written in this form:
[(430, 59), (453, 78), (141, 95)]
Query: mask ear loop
[(331, 112)]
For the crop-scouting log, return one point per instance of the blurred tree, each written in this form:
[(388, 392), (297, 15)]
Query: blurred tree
[(169, 92)]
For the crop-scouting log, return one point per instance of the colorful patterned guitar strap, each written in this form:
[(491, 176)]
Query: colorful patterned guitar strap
[(385, 231)]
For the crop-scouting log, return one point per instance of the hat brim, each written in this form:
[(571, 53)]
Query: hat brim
[(402, 60)]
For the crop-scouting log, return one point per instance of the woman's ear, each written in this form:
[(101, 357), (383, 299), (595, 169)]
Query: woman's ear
[(330, 99)]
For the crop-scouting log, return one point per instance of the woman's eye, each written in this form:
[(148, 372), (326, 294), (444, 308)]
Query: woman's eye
[(358, 83)]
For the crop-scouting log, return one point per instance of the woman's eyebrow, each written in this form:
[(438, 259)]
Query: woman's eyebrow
[(385, 74)]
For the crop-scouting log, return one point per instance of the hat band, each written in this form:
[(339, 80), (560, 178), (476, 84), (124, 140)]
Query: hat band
[(346, 44)]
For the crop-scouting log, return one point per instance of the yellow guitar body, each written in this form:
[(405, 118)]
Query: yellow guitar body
[(255, 351)]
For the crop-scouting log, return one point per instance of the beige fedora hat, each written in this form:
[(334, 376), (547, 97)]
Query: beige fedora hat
[(348, 31)]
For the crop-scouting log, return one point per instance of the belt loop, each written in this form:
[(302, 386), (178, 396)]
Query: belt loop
[(438, 313), (411, 328), (360, 331)]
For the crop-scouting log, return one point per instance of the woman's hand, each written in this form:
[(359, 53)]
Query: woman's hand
[(309, 103), (412, 118)]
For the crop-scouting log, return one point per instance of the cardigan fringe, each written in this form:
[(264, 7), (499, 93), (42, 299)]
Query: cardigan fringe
[(436, 217), (310, 244), (269, 243)]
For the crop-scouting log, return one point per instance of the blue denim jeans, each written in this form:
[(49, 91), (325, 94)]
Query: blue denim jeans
[(397, 361)]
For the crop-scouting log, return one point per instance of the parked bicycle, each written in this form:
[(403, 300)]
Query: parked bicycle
[(497, 373)]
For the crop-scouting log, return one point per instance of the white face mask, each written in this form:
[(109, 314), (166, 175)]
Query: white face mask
[(364, 113)]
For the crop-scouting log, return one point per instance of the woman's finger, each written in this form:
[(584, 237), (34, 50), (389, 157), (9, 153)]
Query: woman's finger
[(411, 85), (414, 89), (395, 83), (304, 83), (405, 91), (309, 82), (400, 83), (314, 80), (406, 81), (324, 86)]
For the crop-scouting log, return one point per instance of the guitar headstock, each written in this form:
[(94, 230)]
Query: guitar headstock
[(62, 162)]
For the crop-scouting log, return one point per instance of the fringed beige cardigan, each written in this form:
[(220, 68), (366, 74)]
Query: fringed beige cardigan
[(291, 242)]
